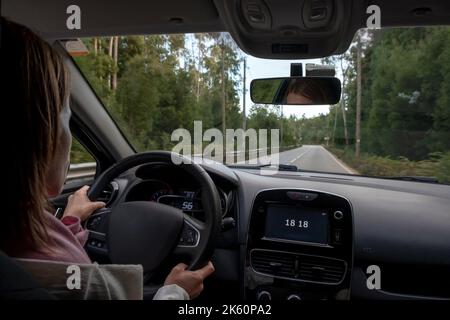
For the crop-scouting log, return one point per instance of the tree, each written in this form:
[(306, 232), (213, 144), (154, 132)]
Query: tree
[(358, 97)]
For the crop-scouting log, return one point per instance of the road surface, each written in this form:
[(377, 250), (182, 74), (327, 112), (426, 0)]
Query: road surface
[(306, 157), (314, 158)]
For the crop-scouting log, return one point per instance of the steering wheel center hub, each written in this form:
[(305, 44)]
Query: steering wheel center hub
[(143, 233)]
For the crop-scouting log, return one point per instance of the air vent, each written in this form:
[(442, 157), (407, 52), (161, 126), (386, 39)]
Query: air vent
[(108, 193), (298, 267)]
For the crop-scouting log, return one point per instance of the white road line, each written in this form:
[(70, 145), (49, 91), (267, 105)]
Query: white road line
[(299, 156), (347, 169)]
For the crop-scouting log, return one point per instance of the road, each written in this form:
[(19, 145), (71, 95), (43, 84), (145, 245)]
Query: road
[(307, 157), (314, 158)]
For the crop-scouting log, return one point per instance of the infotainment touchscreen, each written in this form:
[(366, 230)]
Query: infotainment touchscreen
[(297, 224)]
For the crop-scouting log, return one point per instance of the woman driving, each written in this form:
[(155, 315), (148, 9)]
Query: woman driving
[(37, 99)]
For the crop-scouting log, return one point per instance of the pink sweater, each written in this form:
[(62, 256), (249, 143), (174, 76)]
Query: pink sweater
[(68, 238), (67, 241)]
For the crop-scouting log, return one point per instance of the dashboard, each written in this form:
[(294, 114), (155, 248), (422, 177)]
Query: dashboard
[(299, 246), (166, 185), (186, 198), (401, 228), (305, 235)]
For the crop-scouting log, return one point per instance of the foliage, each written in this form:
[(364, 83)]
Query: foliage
[(437, 166), (163, 86), (165, 82), (78, 153), (405, 120), (265, 91)]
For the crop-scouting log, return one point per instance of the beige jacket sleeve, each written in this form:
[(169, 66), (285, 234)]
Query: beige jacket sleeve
[(94, 281)]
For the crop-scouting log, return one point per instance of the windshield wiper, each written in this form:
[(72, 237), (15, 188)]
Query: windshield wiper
[(280, 167), (415, 179)]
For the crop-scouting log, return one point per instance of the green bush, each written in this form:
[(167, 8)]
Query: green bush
[(438, 165), (78, 153)]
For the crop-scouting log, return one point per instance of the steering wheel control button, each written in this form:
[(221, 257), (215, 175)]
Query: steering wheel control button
[(189, 236), (302, 196), (94, 222), (338, 215), (98, 222)]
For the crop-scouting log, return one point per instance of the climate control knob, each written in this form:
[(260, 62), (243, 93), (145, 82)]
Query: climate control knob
[(264, 296)]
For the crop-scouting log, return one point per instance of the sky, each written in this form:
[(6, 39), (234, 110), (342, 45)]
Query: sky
[(269, 68)]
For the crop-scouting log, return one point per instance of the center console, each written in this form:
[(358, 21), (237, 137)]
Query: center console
[(299, 246)]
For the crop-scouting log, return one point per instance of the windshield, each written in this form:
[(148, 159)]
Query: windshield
[(393, 119)]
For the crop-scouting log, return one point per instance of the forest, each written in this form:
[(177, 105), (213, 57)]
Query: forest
[(405, 103), (152, 85)]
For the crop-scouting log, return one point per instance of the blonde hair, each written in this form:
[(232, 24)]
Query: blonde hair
[(36, 81)]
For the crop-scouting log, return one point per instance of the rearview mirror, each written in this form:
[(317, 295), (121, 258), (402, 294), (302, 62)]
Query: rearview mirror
[(296, 90)]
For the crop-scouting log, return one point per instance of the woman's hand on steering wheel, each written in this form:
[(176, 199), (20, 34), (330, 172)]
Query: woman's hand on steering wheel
[(80, 206), (190, 281)]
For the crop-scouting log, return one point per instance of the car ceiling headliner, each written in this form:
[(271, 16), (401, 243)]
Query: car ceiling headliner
[(106, 17), (133, 17)]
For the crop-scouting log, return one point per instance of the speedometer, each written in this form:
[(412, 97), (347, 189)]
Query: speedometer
[(181, 202)]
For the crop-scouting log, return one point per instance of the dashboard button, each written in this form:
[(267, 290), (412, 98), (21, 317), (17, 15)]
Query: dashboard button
[(338, 215), (337, 235), (302, 196)]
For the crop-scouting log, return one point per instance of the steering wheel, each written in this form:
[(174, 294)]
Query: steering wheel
[(146, 233)]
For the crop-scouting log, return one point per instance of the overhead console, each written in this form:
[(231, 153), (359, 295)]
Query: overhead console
[(286, 29), (299, 246)]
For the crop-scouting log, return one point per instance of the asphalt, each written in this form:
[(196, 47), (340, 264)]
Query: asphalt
[(314, 158)]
